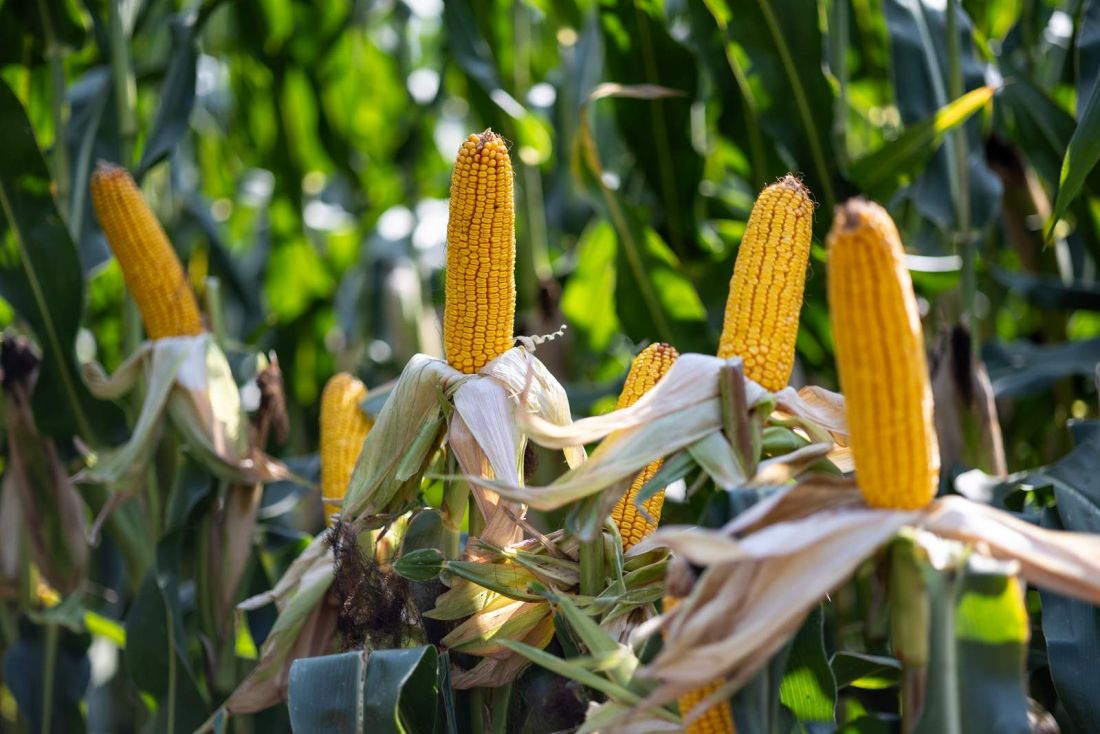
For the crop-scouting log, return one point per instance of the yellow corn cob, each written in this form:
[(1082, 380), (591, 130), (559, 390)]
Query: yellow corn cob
[(761, 321), (481, 255), (149, 265), (344, 427), (718, 719), (880, 358), (648, 367)]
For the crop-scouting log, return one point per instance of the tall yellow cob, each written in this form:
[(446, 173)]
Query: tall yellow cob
[(761, 320), (149, 265), (648, 367), (481, 255), (344, 427), (880, 358)]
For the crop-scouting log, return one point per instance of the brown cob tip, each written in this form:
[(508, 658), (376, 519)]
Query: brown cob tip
[(105, 170), (853, 213)]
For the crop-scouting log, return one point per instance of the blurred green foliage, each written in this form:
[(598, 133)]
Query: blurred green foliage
[(300, 153)]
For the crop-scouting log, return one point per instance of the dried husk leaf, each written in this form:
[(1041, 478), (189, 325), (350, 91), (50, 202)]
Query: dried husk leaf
[(495, 672)]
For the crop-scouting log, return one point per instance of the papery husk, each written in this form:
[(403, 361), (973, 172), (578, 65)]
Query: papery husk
[(305, 627), (613, 717), (768, 567), (683, 410), (499, 671), (41, 500), (189, 378)]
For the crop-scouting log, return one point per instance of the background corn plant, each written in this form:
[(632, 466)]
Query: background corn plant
[(299, 155)]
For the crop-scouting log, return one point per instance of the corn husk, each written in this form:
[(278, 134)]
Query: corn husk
[(189, 379)]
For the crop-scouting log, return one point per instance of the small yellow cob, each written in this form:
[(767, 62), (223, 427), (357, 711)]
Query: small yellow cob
[(344, 427), (481, 255), (149, 265), (648, 367), (761, 320), (718, 719), (881, 360)]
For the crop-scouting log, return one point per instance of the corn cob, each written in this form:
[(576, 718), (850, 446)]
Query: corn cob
[(149, 265), (718, 719), (761, 320), (880, 358), (648, 367), (481, 255), (344, 427)]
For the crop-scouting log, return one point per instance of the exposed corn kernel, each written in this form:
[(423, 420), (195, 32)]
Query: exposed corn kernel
[(344, 427), (481, 255), (881, 360), (149, 265), (648, 368), (765, 298), (718, 719)]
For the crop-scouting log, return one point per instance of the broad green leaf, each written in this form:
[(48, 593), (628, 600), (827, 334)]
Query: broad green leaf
[(1081, 157), (402, 688), (860, 670), (1022, 368), (639, 49), (588, 299), (880, 172), (177, 95), (1088, 53), (794, 99), (359, 692), (1072, 628), (918, 39), (808, 688), (41, 277), (157, 645)]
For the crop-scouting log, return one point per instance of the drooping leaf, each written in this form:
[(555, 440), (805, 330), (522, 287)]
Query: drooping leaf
[(92, 135), (640, 50), (41, 277), (177, 95), (881, 171), (808, 688), (157, 647), (1022, 368), (1072, 628), (788, 83), (918, 38)]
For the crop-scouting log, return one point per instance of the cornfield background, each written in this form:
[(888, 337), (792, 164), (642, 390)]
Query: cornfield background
[(299, 157)]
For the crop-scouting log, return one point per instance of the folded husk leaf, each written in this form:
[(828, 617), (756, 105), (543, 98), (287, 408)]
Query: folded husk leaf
[(189, 378)]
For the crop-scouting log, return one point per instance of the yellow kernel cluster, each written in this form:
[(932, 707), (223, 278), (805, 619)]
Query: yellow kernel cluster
[(881, 360), (344, 427), (648, 368), (718, 719), (481, 255), (149, 265), (765, 298)]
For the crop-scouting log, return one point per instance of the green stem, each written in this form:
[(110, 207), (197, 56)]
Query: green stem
[(125, 88), (477, 710), (456, 495), (214, 310), (60, 152), (944, 674), (53, 633), (840, 71), (127, 532), (475, 523), (964, 240), (592, 566), (499, 706)]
